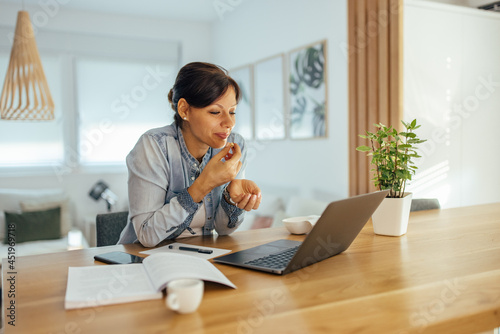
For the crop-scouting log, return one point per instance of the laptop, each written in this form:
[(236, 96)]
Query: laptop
[(332, 234)]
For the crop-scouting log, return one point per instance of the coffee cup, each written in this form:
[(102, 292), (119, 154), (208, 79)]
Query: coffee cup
[(184, 295)]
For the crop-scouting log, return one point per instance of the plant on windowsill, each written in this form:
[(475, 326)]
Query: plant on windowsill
[(392, 153)]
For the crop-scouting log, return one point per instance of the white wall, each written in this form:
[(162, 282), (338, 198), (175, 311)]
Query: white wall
[(453, 2), (464, 3), (195, 40), (452, 86), (255, 30)]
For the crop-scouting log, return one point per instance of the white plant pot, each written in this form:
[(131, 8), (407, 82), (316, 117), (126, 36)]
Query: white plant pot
[(391, 217)]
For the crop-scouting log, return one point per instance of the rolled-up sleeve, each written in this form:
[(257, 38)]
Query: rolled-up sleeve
[(228, 218)]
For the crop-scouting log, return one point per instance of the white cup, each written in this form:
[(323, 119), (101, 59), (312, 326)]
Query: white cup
[(184, 295)]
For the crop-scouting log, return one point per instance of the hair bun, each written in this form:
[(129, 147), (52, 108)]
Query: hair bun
[(170, 95), (171, 98)]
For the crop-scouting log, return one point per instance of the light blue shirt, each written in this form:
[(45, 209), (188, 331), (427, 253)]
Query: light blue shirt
[(160, 171)]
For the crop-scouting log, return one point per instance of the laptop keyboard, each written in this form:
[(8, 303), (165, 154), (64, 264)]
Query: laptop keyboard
[(277, 260)]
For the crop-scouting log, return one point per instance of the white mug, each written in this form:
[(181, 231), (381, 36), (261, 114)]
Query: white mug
[(184, 295)]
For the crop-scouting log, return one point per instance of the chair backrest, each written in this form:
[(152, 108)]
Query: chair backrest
[(418, 204), (109, 226)]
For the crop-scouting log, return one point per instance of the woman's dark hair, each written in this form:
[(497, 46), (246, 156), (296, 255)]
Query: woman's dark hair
[(200, 84)]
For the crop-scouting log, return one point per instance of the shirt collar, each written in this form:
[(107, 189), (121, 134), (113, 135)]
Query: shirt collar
[(187, 155)]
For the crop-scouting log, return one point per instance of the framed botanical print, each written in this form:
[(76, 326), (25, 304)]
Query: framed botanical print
[(307, 92)]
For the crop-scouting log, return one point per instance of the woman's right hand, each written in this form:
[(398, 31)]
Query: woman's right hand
[(217, 172)]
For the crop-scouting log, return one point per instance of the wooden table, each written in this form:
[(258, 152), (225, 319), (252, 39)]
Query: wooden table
[(443, 276)]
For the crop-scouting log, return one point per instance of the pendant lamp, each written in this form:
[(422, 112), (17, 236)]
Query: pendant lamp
[(25, 93)]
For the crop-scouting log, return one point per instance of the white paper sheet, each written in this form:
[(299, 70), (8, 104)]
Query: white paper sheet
[(95, 286), (216, 251)]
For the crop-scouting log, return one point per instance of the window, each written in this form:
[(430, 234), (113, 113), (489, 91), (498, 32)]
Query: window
[(117, 102), (28, 143), (107, 91)]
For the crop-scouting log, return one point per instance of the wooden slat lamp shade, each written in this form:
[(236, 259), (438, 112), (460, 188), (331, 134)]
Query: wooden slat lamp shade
[(25, 93)]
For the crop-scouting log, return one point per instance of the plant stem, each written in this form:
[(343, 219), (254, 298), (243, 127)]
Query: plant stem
[(395, 167), (378, 169), (406, 156)]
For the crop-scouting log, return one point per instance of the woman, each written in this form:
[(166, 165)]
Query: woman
[(186, 178)]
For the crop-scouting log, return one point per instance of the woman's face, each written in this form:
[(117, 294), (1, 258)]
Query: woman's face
[(210, 126)]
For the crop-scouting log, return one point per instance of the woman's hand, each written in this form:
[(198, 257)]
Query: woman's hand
[(217, 172), (245, 194)]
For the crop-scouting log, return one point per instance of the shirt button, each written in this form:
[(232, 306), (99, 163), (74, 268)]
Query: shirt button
[(194, 165), (208, 199), (192, 178)]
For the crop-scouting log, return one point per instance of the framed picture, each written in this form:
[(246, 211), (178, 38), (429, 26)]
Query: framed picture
[(307, 92), (244, 112), (269, 98)]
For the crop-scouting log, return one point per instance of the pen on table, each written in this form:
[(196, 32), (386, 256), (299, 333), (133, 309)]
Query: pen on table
[(192, 249)]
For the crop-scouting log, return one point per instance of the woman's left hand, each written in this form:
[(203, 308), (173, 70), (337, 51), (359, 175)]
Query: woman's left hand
[(245, 193)]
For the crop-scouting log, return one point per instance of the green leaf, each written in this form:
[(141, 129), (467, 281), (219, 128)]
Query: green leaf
[(363, 148)]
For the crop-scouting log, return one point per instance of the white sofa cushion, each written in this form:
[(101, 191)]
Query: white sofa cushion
[(300, 206), (17, 200), (74, 240), (265, 215)]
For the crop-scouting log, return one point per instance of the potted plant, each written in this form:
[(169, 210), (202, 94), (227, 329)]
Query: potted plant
[(392, 155)]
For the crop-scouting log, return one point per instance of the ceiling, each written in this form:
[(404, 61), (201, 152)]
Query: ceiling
[(195, 10), (191, 10)]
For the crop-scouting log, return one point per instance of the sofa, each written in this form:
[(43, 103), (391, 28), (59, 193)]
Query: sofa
[(39, 221)]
